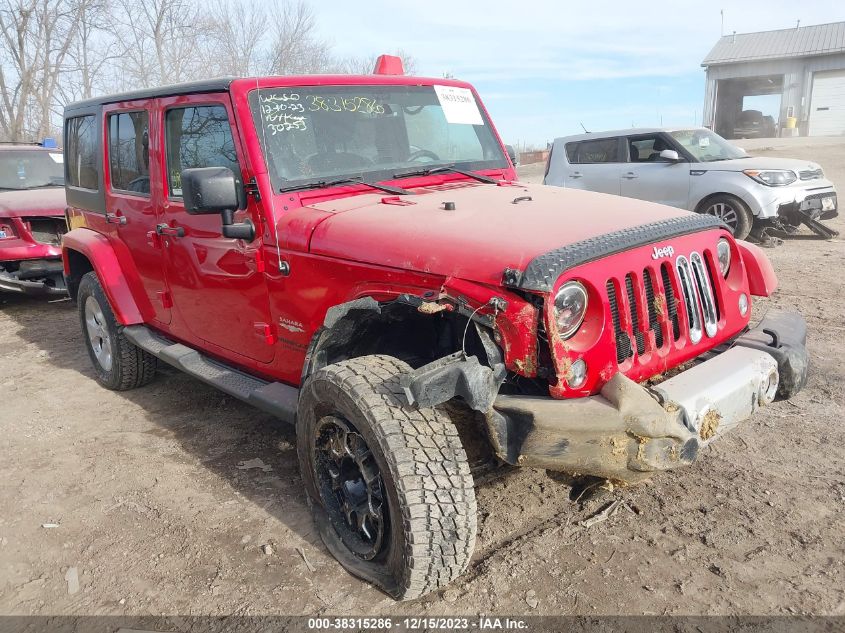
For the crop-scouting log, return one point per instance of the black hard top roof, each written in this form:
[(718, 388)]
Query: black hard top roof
[(220, 84)]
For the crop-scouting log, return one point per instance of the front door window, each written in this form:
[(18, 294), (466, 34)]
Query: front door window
[(198, 136)]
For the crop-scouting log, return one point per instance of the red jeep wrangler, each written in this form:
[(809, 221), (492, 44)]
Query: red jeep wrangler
[(32, 222), (352, 253)]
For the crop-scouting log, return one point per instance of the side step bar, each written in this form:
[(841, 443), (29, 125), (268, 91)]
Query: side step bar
[(275, 398)]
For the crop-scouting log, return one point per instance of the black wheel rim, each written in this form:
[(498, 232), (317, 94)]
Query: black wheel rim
[(350, 487)]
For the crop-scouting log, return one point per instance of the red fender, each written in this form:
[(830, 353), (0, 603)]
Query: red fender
[(97, 249), (762, 280), (516, 325)]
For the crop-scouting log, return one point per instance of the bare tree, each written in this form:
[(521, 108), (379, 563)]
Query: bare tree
[(296, 48), (237, 32), (56, 51), (163, 42), (93, 49), (35, 37)]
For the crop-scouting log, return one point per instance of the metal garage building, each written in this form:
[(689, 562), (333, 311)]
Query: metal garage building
[(804, 65)]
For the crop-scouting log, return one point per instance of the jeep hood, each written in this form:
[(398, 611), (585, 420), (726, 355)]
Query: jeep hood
[(48, 201), (491, 227), (756, 162)]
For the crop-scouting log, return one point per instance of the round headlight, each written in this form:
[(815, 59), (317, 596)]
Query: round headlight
[(570, 307), (723, 252)]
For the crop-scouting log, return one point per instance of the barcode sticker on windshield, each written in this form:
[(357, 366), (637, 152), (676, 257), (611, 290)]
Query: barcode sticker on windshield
[(458, 105), (59, 158)]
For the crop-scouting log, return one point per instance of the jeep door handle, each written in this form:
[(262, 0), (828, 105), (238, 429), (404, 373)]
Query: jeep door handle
[(575, 174), (114, 218), (630, 175), (172, 231)]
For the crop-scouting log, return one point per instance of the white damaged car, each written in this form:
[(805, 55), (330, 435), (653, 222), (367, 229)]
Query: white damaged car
[(694, 169)]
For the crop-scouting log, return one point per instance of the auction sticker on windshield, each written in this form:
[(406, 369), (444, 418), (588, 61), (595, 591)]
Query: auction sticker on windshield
[(458, 105)]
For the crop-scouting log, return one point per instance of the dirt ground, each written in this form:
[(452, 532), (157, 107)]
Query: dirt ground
[(159, 507)]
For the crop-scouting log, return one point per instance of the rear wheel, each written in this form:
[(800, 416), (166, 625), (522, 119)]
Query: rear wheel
[(118, 364), (732, 211), (389, 486)]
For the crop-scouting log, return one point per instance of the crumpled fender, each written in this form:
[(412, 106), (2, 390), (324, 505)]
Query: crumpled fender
[(762, 280), (99, 251)]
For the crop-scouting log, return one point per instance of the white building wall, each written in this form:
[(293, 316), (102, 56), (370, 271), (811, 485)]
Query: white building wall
[(797, 82)]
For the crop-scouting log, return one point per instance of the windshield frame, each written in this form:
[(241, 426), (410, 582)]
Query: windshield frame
[(719, 141), (387, 173), (57, 180)]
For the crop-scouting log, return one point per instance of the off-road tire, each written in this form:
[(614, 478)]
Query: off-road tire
[(741, 227), (424, 470), (131, 366)]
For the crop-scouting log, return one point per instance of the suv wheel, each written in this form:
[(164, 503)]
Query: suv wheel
[(389, 486), (119, 364), (732, 211)]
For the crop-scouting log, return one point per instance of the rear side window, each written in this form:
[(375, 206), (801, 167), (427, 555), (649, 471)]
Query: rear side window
[(129, 152), (605, 150), (199, 136), (81, 152)]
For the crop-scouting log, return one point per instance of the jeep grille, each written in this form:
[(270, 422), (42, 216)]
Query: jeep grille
[(644, 306)]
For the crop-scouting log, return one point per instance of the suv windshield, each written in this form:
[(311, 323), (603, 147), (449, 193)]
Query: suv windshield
[(30, 169), (706, 146), (325, 132)]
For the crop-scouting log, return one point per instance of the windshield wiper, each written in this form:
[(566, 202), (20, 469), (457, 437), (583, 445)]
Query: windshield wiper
[(322, 184), (446, 168)]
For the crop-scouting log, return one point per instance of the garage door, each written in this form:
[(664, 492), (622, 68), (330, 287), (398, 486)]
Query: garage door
[(827, 108)]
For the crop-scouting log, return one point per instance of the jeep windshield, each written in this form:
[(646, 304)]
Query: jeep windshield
[(30, 169), (321, 134), (706, 146)]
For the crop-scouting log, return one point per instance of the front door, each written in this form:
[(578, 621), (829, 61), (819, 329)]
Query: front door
[(217, 283), (132, 207), (647, 176)]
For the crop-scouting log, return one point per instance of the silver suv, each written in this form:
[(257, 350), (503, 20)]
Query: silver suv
[(694, 169)]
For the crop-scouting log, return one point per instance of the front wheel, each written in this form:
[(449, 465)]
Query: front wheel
[(389, 485), (732, 211), (118, 364)]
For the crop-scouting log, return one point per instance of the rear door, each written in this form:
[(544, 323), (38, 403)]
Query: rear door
[(594, 165), (132, 207), (647, 176), (217, 283)]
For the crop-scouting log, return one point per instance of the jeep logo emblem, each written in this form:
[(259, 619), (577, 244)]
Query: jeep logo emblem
[(666, 251)]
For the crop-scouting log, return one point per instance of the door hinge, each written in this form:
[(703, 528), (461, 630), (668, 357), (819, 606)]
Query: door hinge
[(265, 331), (251, 189), (259, 262)]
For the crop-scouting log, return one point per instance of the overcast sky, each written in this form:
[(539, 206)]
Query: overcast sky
[(543, 67)]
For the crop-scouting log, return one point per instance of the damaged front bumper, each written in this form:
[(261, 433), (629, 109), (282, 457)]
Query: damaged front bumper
[(630, 431), (36, 277)]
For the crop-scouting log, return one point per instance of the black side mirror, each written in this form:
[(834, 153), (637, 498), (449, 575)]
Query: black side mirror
[(511, 154), (207, 190)]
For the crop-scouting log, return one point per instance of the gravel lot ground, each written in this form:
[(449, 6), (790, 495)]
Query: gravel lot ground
[(158, 512)]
